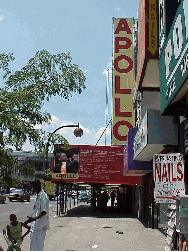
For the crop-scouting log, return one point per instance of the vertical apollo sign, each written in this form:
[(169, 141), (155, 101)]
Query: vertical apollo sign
[(168, 173), (123, 79)]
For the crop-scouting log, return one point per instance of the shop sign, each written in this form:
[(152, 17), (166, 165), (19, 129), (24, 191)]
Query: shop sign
[(140, 140), (153, 27), (138, 109), (168, 174), (123, 117), (174, 58), (142, 37), (147, 37)]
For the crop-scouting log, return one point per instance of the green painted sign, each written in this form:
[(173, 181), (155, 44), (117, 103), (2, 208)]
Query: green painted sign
[(173, 63)]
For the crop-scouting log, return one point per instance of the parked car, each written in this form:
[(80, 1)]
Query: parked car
[(2, 198), (12, 189), (19, 195)]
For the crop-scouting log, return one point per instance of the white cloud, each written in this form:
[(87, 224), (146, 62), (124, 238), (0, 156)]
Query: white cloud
[(90, 136), (116, 8), (100, 131), (2, 17)]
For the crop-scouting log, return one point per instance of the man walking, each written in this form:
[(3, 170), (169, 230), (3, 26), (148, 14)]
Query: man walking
[(39, 218)]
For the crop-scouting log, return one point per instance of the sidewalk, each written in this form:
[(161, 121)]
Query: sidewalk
[(80, 230)]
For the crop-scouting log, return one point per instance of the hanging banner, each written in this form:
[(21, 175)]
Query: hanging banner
[(168, 173), (123, 79)]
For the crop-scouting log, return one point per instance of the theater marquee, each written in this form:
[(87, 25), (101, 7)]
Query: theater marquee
[(123, 79)]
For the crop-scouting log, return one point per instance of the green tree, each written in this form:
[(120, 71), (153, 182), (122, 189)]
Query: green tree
[(8, 181), (27, 169), (23, 96), (48, 174)]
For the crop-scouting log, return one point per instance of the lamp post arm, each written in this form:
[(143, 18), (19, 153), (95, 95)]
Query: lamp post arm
[(64, 126), (77, 125)]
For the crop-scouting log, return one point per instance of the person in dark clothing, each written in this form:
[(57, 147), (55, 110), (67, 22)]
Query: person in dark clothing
[(112, 195), (104, 199), (59, 162), (73, 166), (94, 200), (57, 168)]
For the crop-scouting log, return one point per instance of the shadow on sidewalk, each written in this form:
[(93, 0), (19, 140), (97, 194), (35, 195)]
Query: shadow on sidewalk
[(84, 210), (146, 222)]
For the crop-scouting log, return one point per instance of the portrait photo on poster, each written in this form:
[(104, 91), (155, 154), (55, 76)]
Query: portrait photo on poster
[(66, 161)]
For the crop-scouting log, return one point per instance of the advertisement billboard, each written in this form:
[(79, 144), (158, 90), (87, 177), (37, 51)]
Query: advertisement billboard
[(96, 164), (123, 117), (168, 173)]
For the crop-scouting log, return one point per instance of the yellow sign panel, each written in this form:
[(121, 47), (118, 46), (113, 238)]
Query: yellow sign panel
[(123, 80), (153, 40), (65, 176)]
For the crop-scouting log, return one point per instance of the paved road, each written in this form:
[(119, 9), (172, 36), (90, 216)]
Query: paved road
[(22, 209)]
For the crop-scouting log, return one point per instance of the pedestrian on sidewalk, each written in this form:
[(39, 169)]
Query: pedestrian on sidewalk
[(183, 242), (94, 195), (14, 233), (112, 195), (104, 199), (39, 218)]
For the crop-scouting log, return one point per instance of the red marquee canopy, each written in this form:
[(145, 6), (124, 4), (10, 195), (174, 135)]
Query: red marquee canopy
[(96, 164)]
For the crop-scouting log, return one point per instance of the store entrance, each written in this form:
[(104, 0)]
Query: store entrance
[(112, 199)]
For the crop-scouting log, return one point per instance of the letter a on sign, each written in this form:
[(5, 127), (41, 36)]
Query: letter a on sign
[(123, 26)]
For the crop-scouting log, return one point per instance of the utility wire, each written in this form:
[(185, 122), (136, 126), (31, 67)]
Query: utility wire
[(103, 132)]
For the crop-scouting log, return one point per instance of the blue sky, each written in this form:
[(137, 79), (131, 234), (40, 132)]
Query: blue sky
[(83, 28)]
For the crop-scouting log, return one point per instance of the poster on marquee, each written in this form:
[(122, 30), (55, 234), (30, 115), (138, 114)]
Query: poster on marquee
[(168, 174)]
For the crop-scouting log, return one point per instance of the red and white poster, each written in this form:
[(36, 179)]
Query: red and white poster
[(96, 164), (168, 173)]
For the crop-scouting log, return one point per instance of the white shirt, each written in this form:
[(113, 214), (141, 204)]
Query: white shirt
[(41, 204)]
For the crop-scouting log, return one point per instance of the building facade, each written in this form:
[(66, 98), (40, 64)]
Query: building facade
[(160, 97)]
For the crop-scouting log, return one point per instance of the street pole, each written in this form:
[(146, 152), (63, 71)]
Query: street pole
[(47, 145), (57, 199), (78, 133)]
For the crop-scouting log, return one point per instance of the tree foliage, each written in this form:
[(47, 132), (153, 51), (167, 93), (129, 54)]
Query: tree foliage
[(27, 169), (8, 181), (23, 96)]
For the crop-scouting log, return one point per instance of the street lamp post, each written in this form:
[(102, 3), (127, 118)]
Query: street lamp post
[(78, 132)]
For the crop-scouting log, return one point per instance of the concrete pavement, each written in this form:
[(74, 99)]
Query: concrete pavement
[(80, 230)]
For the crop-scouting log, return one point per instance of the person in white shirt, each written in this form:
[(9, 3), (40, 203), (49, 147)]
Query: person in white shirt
[(39, 218)]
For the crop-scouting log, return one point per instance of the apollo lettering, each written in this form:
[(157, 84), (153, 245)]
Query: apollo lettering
[(122, 44), (67, 176)]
